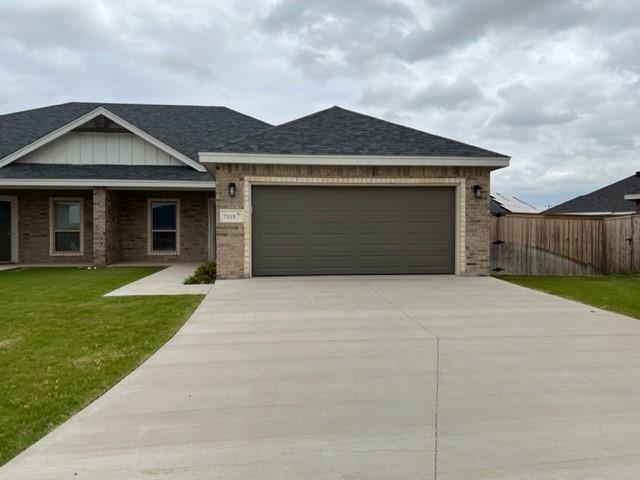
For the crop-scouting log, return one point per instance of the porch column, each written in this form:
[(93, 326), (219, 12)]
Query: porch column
[(100, 226), (105, 231), (638, 207)]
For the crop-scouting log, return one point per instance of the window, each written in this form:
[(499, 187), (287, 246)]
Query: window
[(66, 226), (164, 220)]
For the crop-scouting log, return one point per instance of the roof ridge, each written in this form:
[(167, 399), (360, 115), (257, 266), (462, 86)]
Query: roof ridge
[(36, 108), (129, 104), (151, 104)]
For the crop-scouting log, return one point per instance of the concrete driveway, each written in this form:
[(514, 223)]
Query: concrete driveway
[(367, 378)]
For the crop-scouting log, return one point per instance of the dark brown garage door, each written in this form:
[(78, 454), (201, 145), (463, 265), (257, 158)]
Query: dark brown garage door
[(353, 230)]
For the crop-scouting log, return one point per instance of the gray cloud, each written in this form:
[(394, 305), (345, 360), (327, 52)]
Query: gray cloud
[(441, 94)]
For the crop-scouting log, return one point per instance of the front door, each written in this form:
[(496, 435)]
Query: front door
[(5, 231)]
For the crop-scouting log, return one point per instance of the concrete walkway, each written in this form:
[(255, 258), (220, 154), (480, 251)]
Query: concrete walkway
[(167, 281), (367, 378)]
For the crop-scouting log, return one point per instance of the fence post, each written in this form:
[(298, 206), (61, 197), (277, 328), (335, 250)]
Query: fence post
[(604, 269), (632, 245)]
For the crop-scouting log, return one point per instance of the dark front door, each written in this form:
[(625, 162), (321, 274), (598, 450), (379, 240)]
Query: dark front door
[(5, 231), (353, 230)]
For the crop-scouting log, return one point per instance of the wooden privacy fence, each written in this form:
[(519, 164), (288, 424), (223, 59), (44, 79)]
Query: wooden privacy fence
[(565, 245)]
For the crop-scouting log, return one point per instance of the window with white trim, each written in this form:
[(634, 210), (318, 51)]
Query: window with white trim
[(164, 219), (66, 226)]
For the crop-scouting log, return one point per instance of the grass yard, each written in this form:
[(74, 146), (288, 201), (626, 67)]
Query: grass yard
[(62, 344), (617, 293)]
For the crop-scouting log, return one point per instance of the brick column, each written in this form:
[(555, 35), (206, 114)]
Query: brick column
[(100, 226), (229, 236)]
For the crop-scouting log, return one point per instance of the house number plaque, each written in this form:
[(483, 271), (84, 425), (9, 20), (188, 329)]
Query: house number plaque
[(228, 215)]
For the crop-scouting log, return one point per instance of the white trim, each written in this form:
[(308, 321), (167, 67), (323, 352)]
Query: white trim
[(14, 226), (358, 160), (150, 250), (632, 196), (88, 117), (52, 227), (458, 183), (122, 184)]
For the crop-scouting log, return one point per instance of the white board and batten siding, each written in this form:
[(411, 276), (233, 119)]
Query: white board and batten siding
[(93, 148)]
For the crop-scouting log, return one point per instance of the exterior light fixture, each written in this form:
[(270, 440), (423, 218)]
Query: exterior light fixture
[(477, 191), (232, 189)]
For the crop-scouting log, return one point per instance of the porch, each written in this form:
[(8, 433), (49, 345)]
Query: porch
[(103, 226)]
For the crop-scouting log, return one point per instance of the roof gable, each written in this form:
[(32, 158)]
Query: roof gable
[(337, 131), (609, 199), (185, 130)]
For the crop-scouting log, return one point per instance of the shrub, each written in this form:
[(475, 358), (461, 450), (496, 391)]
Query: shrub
[(205, 273)]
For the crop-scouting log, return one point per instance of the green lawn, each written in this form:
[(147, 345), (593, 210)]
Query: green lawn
[(62, 344), (618, 293)]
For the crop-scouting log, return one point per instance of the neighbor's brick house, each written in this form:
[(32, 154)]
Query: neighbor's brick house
[(104, 183)]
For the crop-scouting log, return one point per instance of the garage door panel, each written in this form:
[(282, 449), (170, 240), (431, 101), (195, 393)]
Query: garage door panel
[(434, 261), (382, 216), (324, 216), (437, 242), (350, 230), (281, 217), (329, 262), (381, 240), (283, 262), (330, 240), (281, 239)]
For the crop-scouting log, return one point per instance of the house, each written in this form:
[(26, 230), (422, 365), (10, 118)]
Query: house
[(101, 183), (501, 204), (615, 199), (634, 196)]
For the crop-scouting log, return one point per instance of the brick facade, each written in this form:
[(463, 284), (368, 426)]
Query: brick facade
[(133, 221), (233, 242), (34, 225), (117, 220)]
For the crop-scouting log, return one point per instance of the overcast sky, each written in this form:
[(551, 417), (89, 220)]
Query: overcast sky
[(555, 84)]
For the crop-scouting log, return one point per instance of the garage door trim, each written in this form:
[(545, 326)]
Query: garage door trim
[(459, 209)]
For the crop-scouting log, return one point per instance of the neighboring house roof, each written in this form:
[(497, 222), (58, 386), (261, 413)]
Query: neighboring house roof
[(606, 200), (187, 129), (337, 131), (22, 171), (509, 204)]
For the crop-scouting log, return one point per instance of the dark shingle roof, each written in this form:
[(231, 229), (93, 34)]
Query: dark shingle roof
[(23, 171), (608, 199), (337, 131), (187, 129)]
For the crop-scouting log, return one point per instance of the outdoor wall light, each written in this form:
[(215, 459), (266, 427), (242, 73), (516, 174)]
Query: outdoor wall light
[(232, 189), (477, 191)]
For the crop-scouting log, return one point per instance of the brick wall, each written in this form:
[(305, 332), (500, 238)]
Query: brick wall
[(133, 226), (33, 225), (106, 238), (233, 245), (121, 229)]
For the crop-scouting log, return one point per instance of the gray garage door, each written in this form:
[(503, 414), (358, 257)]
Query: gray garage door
[(352, 230)]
